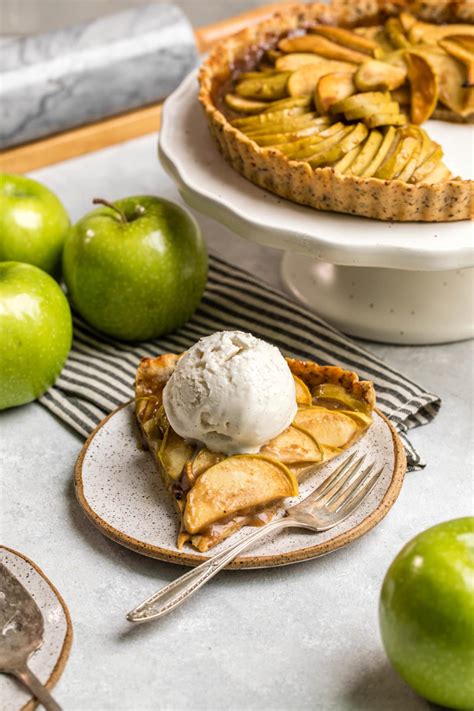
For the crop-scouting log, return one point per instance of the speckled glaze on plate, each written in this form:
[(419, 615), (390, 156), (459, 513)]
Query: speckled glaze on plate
[(50, 659), (121, 492)]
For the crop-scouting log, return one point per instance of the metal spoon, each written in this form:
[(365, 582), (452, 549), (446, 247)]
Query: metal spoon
[(21, 633)]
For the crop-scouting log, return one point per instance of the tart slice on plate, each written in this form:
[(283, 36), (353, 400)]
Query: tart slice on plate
[(233, 427), (323, 105)]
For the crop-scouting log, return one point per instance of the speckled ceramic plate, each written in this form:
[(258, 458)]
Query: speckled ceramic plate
[(120, 491), (50, 659)]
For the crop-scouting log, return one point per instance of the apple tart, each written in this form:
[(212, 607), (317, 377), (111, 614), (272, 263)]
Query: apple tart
[(214, 494), (324, 105)]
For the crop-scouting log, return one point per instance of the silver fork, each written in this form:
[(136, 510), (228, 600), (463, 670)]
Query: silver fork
[(333, 501)]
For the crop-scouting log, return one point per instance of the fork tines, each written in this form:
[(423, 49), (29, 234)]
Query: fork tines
[(347, 485)]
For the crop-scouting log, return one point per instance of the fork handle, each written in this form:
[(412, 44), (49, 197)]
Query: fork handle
[(40, 692), (176, 593)]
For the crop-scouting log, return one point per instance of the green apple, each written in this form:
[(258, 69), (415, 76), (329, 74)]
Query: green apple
[(33, 223), (36, 332), (427, 613), (136, 268)]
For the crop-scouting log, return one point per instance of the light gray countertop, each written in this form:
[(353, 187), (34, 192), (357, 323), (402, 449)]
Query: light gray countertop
[(23, 17), (300, 637)]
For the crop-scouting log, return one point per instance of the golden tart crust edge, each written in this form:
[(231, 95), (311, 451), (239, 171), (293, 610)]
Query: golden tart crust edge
[(324, 188)]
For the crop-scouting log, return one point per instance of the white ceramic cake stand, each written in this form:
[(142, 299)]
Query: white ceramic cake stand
[(385, 281)]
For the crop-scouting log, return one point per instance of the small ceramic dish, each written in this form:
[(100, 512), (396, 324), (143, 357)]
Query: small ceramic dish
[(48, 662), (121, 492)]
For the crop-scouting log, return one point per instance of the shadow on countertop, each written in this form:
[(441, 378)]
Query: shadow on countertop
[(381, 689)]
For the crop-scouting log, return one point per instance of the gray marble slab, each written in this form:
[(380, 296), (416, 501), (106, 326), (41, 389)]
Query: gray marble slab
[(58, 80), (304, 637)]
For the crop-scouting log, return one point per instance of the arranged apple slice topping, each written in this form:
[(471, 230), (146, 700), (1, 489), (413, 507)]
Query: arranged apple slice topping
[(454, 91), (396, 34), (351, 99), (293, 62), (322, 47), (245, 106), (277, 118), (294, 445), (375, 108), (388, 141), (266, 86), (346, 38), (336, 395), (200, 462), (303, 395), (152, 432), (461, 47), (365, 155), (427, 33), (332, 88), (341, 144), (424, 87), (331, 428), (363, 149), (236, 485), (304, 80), (278, 139), (375, 75), (174, 453)]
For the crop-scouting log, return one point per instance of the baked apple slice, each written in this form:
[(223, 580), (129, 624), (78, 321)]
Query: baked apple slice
[(333, 395), (236, 485), (265, 88), (332, 88), (424, 87), (293, 446), (346, 38), (174, 453), (375, 75), (323, 47), (244, 106), (461, 47), (303, 395), (331, 428)]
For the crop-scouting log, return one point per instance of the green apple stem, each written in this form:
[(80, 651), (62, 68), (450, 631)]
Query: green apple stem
[(107, 203)]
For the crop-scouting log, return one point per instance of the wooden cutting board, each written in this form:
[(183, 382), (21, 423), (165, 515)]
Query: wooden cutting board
[(124, 127)]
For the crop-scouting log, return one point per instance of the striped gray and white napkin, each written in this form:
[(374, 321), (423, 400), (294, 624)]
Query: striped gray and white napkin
[(99, 373)]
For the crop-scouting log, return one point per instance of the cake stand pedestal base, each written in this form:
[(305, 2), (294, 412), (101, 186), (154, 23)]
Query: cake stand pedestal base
[(387, 305)]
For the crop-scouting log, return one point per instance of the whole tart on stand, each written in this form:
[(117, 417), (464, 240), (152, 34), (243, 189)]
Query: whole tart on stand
[(389, 281), (323, 105)]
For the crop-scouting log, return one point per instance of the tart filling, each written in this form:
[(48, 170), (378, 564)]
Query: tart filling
[(216, 494), (324, 105)]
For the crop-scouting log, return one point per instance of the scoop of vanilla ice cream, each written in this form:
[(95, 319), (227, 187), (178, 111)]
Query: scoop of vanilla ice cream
[(231, 392)]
